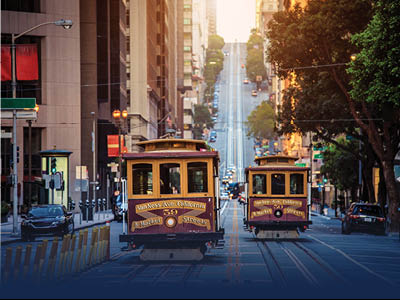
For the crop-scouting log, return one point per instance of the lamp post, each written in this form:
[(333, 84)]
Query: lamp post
[(30, 159), (94, 156), (119, 117), (67, 24)]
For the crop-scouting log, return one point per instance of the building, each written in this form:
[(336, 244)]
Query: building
[(153, 70), (212, 16), (57, 91), (103, 79)]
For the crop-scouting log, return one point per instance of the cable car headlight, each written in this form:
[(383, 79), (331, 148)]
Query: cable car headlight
[(278, 213), (170, 222)]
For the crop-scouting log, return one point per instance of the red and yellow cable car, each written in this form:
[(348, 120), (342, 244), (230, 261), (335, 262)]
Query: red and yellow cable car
[(173, 203), (277, 193)]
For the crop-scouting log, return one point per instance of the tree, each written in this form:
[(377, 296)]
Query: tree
[(202, 116), (261, 121), (341, 167), (255, 57), (320, 35), (216, 42), (376, 80)]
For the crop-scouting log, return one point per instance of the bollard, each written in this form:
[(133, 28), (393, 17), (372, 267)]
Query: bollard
[(43, 255), (102, 240), (17, 262), (27, 260), (52, 259), (92, 247), (65, 262), (79, 254), (85, 241), (36, 261), (108, 240), (71, 254), (62, 254)]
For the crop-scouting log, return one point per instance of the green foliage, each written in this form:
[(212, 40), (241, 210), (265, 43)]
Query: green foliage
[(340, 166), (261, 121), (202, 117), (255, 57), (314, 36), (215, 42), (376, 70)]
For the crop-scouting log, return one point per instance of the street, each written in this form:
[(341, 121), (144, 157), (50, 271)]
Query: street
[(323, 263)]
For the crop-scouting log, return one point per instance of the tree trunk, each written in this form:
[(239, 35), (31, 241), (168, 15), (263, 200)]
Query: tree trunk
[(368, 190), (393, 193), (382, 190)]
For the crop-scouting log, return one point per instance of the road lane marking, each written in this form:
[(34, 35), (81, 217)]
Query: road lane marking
[(353, 260)]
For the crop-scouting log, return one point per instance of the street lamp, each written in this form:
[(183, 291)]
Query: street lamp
[(36, 109), (117, 114), (67, 24)]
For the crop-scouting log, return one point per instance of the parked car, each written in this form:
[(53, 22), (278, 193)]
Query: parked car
[(364, 217), (246, 81), (213, 139), (47, 220), (254, 93)]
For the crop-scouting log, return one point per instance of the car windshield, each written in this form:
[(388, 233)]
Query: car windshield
[(368, 210), (46, 211)]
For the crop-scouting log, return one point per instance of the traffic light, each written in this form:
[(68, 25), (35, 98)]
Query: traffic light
[(53, 165), (17, 154), (325, 180)]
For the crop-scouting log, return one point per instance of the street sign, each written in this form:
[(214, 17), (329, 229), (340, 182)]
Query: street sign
[(301, 165), (21, 114), (318, 156), (17, 103)]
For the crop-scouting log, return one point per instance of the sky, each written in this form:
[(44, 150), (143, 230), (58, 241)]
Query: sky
[(235, 19)]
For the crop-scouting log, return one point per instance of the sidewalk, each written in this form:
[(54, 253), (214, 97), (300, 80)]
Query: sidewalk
[(329, 213), (7, 228)]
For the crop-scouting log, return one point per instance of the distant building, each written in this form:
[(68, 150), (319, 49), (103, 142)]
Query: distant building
[(212, 16)]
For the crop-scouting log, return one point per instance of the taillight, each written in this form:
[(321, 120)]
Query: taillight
[(381, 219), (354, 217)]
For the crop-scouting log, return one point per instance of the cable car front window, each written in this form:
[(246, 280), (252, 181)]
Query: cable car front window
[(197, 177), (142, 179), (170, 179), (296, 184), (259, 184), (278, 184)]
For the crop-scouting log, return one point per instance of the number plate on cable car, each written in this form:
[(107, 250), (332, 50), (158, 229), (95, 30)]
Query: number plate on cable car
[(367, 219)]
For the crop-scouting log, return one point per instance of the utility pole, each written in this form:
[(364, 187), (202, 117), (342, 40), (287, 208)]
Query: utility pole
[(94, 155)]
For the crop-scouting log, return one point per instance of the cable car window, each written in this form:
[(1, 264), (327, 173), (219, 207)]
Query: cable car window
[(197, 177), (170, 179), (296, 184), (259, 184), (142, 179), (278, 184)]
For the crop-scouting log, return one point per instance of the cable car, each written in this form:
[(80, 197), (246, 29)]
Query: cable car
[(173, 199), (278, 202)]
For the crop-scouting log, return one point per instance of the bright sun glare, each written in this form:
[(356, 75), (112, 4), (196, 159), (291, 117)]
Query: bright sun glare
[(235, 19)]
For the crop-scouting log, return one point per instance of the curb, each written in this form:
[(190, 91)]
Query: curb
[(76, 229)]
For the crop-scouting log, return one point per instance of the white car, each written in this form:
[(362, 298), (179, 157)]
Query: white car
[(224, 196)]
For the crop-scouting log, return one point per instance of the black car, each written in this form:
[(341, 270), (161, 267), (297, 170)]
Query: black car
[(47, 220), (364, 218)]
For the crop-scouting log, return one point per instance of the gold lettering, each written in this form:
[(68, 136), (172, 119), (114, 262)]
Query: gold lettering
[(261, 213), (195, 221), (278, 202), (173, 204), (146, 223)]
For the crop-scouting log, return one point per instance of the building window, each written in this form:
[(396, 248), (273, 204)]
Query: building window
[(187, 48), (25, 88), (197, 177), (259, 184), (187, 21), (142, 179), (32, 6), (170, 179), (278, 184), (296, 184)]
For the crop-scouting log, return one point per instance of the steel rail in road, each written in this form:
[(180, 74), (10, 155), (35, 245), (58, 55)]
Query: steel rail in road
[(230, 112)]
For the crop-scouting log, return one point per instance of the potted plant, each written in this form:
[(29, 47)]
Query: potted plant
[(4, 212)]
